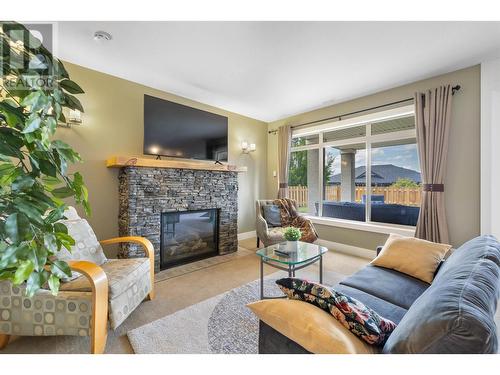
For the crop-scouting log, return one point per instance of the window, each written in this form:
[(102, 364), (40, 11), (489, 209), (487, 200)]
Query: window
[(343, 178), (303, 182), (332, 165)]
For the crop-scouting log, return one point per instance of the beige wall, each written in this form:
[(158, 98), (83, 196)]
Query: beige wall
[(462, 180), (113, 124)]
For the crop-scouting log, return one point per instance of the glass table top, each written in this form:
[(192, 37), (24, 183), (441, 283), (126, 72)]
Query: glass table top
[(292, 253)]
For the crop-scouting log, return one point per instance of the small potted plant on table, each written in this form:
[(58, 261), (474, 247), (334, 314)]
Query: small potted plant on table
[(292, 236)]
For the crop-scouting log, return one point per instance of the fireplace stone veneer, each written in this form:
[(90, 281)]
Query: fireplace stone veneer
[(145, 193)]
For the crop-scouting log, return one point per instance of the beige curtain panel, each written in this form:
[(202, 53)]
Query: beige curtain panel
[(433, 120), (284, 144)]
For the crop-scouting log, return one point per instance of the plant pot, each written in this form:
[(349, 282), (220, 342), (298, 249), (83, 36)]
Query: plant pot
[(292, 245)]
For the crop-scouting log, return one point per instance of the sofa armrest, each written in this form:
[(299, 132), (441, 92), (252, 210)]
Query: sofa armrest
[(99, 283), (148, 250)]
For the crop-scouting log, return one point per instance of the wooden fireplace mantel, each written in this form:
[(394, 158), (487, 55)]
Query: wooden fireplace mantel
[(133, 161)]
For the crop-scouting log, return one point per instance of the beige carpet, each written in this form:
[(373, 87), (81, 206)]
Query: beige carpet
[(177, 293)]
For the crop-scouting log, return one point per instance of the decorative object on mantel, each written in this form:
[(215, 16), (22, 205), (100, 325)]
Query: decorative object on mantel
[(247, 148), (127, 161)]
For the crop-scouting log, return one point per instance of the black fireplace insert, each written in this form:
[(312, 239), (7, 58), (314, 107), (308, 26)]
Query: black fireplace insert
[(187, 236)]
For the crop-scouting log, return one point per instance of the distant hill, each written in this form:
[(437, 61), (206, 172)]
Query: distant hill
[(385, 174)]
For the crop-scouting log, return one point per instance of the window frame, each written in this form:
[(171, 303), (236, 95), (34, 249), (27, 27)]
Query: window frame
[(367, 140)]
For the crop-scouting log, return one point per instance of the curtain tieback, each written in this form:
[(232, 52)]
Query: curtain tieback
[(433, 187), (283, 185)]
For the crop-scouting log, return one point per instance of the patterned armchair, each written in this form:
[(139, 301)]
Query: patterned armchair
[(99, 290), (266, 233)]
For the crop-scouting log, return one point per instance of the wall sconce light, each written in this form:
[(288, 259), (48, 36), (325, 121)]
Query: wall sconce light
[(247, 148), (73, 117)]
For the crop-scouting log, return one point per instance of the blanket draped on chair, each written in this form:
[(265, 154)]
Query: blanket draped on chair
[(291, 218)]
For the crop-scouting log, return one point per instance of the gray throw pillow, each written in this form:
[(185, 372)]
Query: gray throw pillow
[(272, 215)]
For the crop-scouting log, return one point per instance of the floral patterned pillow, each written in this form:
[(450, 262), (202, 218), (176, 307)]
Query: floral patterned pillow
[(351, 313)]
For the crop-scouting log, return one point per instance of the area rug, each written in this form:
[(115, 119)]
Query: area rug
[(222, 324)]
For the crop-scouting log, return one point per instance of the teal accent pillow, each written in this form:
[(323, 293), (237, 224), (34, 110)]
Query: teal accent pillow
[(351, 313), (272, 215)]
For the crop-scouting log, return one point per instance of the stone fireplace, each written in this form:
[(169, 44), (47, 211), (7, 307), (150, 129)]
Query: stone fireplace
[(149, 194)]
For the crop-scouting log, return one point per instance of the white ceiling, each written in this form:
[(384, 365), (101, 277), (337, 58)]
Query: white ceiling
[(271, 70)]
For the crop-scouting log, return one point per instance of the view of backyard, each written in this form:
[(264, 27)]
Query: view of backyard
[(395, 181)]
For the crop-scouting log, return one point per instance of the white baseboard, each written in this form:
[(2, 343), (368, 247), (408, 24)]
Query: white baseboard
[(246, 235), (347, 249)]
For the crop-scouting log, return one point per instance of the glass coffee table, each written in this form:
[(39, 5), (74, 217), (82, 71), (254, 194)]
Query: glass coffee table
[(278, 256)]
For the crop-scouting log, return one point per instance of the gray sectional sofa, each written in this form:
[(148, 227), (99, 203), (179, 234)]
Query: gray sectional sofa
[(454, 314)]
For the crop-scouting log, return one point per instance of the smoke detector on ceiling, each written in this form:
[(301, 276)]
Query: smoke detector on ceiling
[(102, 35)]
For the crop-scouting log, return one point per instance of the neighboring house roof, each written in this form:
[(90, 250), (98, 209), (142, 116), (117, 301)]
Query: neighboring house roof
[(385, 174)]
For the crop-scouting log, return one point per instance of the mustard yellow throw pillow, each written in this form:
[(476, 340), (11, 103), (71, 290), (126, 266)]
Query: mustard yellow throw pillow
[(413, 256), (312, 328)]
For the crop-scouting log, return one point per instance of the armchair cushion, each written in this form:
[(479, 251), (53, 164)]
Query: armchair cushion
[(121, 273), (129, 283), (272, 215)]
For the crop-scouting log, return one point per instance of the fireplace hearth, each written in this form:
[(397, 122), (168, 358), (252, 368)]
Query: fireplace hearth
[(187, 236)]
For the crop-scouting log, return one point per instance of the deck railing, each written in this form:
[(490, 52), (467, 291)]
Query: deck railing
[(405, 196)]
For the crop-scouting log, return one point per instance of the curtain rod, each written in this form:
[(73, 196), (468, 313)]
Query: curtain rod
[(454, 89)]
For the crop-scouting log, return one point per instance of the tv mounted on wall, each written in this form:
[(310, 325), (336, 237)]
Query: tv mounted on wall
[(172, 129)]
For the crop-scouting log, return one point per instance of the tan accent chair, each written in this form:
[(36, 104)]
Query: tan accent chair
[(268, 235), (108, 291)]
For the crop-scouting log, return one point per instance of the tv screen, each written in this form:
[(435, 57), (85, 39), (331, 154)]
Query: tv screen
[(172, 129)]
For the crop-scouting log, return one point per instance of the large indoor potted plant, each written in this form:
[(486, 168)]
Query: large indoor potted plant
[(34, 177)]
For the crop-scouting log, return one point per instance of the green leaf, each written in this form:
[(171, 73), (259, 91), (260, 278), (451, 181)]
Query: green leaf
[(6, 275), (16, 226), (13, 115), (56, 214), (46, 167), (61, 228), (32, 99), (50, 242), (73, 103), (54, 284), (51, 124), (71, 87), (32, 124), (6, 169), (23, 182), (9, 256), (32, 209), (60, 69), (23, 271), (50, 181), (60, 269), (38, 257), (35, 282), (66, 240), (63, 192)]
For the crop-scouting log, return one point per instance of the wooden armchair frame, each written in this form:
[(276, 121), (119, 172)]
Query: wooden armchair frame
[(99, 284)]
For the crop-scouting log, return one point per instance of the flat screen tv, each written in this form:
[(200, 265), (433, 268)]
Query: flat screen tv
[(172, 129)]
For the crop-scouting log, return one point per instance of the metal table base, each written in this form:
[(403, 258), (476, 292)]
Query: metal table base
[(291, 269)]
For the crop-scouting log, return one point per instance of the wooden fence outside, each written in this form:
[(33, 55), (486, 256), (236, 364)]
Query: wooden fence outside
[(405, 196)]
